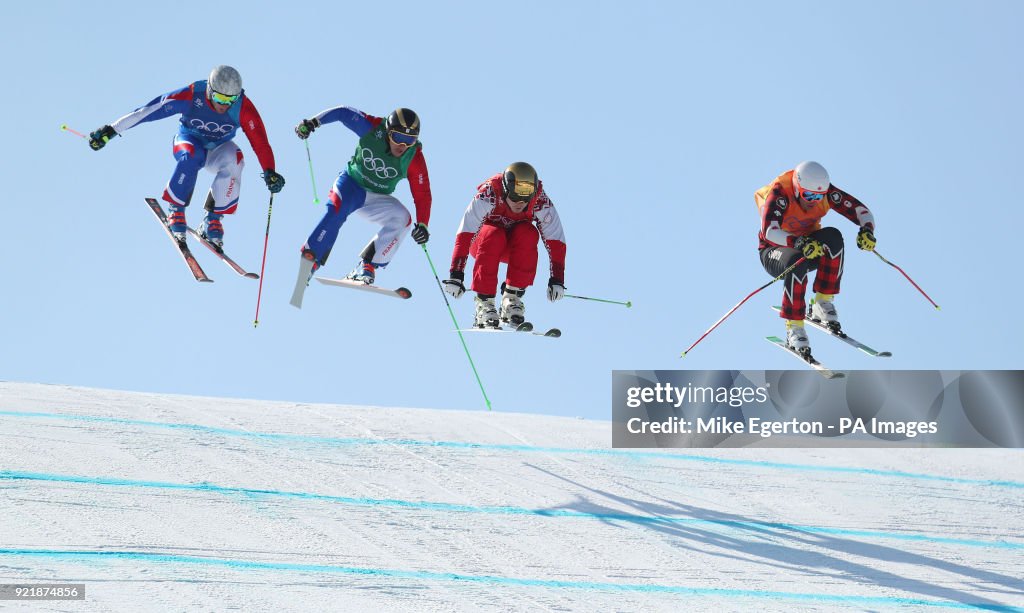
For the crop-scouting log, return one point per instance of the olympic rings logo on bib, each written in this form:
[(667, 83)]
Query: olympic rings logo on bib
[(211, 126), (377, 165)]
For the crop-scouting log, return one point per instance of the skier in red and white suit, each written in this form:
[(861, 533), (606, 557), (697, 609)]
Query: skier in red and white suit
[(498, 227)]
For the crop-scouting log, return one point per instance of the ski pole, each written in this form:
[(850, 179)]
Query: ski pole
[(456, 324), (263, 266), (65, 127), (783, 274), (627, 303), (310, 158), (908, 278)]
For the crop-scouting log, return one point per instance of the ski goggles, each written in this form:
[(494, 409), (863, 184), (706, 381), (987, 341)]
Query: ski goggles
[(402, 139), (522, 191), (812, 196), (220, 98)]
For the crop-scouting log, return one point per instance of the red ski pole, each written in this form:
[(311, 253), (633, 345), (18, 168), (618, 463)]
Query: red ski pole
[(263, 266), (65, 127), (733, 309), (908, 278)]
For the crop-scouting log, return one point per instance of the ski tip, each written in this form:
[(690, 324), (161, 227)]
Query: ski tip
[(885, 354), (404, 293), (251, 275), (553, 332)]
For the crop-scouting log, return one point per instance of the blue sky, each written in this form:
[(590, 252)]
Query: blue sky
[(651, 125)]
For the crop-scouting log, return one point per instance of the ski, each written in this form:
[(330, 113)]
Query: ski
[(810, 361), (186, 253), (844, 337), (505, 327), (220, 253), (301, 282), (527, 326), (523, 327), (401, 292)]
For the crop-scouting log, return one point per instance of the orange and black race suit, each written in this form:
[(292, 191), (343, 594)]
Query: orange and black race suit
[(784, 220)]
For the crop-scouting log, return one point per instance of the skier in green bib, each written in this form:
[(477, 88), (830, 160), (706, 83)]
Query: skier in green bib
[(388, 151)]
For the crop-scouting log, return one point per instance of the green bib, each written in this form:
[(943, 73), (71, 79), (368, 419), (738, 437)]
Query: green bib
[(373, 166)]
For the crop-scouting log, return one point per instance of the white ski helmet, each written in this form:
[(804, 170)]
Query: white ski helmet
[(225, 80), (810, 176)]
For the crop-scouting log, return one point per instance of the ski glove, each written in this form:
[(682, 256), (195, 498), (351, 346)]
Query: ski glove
[(811, 248), (304, 129), (454, 285), (100, 137), (866, 239), (275, 182), (556, 290), (420, 234)]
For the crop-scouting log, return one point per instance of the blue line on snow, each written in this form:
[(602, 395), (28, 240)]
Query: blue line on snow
[(323, 440), (72, 555), (501, 510)]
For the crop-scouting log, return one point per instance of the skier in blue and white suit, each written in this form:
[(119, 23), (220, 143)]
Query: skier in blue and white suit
[(389, 150), (211, 113)]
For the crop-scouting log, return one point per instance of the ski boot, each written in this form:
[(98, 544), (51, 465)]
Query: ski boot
[(513, 311), (176, 222), (213, 231), (824, 312), (486, 313), (364, 272), (307, 254), (796, 338)]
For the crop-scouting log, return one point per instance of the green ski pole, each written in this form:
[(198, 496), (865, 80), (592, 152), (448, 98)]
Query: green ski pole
[(626, 304), (456, 324), (310, 158)]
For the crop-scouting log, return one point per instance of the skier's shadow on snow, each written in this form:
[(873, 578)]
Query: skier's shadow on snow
[(790, 556)]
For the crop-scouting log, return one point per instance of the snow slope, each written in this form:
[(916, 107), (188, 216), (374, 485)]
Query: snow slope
[(184, 503)]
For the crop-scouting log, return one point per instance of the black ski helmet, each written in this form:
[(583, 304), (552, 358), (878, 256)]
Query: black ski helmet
[(404, 121), (519, 182)]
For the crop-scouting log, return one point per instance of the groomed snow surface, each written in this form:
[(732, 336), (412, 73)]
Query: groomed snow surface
[(172, 503)]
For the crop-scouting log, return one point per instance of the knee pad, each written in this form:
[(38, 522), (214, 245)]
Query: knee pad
[(184, 151), (831, 237)]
